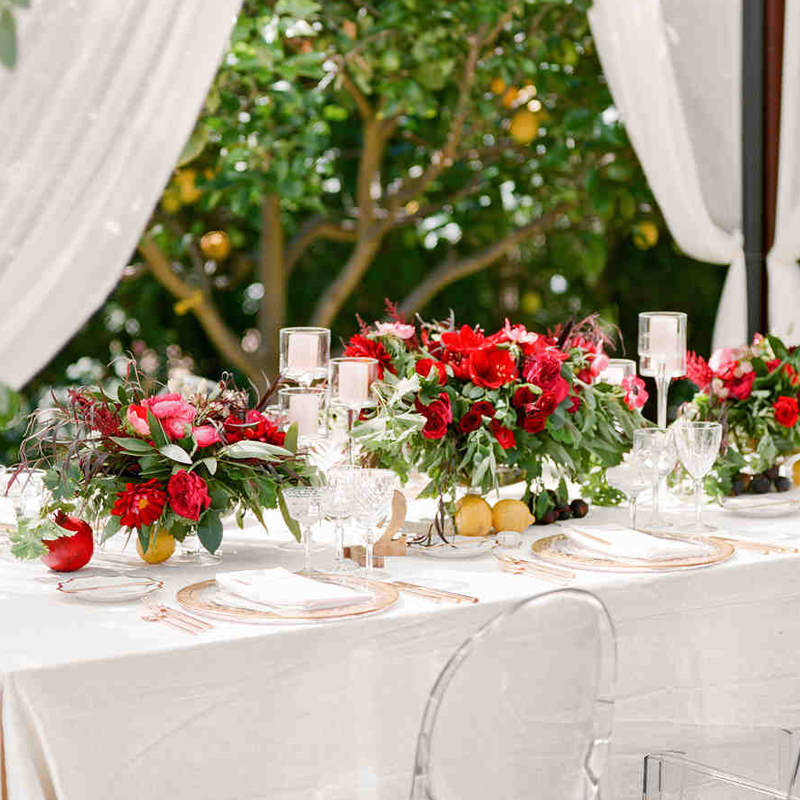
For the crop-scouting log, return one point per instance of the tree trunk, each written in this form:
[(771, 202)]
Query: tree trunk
[(272, 267)]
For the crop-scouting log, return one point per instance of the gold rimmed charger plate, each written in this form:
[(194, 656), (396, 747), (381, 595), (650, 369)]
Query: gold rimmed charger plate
[(203, 598), (553, 550)]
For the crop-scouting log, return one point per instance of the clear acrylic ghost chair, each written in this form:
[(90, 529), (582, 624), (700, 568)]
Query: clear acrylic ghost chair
[(672, 776), (524, 707)]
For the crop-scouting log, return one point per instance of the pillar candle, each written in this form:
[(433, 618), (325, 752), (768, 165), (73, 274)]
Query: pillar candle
[(354, 383), (304, 410), (303, 351)]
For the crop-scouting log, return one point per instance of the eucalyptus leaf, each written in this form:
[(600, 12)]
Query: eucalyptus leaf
[(257, 450), (131, 445), (8, 39), (175, 453)]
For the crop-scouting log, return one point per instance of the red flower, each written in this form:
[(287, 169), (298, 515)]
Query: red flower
[(698, 371), (188, 494), (484, 408), (575, 404), (254, 426), (492, 368), (140, 504), (465, 340), (786, 411), (361, 346), (173, 412), (635, 393), (424, 366), (788, 370), (505, 436), (438, 415), (523, 397), (544, 371), (536, 416), (742, 387), (471, 421), (205, 435)]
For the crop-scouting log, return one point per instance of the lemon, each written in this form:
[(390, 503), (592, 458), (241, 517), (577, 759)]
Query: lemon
[(216, 245), (185, 181), (160, 548), (473, 516), (511, 515), (524, 126), (171, 200), (796, 472), (645, 235), (498, 85)]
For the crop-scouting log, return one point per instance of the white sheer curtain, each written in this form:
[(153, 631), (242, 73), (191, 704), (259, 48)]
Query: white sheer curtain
[(91, 124), (674, 70), (782, 269)]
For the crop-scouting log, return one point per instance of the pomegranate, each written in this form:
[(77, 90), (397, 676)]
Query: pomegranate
[(68, 553)]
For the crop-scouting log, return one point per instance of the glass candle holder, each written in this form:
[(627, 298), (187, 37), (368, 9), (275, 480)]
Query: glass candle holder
[(305, 407), (617, 370), (304, 354), (350, 386), (662, 352)]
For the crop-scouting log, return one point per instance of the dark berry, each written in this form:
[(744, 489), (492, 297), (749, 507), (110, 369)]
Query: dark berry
[(739, 486), (760, 484), (783, 484), (772, 473), (564, 512), (549, 517), (579, 508)]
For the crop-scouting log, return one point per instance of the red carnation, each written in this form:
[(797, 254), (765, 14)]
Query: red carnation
[(140, 504), (465, 340), (188, 494), (438, 415), (471, 421), (492, 368), (786, 411), (505, 436), (361, 346), (424, 366), (698, 371)]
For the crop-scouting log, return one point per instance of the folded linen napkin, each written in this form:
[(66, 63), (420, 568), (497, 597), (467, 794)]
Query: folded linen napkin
[(279, 588), (621, 542)]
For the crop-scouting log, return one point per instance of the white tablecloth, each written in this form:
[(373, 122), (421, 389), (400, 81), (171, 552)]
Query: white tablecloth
[(98, 704)]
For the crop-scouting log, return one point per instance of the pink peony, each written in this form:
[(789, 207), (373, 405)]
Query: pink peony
[(171, 410), (205, 435), (399, 329)]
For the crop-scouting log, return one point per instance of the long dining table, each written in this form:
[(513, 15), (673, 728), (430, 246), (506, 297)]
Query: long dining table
[(98, 703)]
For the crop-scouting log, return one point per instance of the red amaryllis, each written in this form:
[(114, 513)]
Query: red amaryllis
[(471, 421), (635, 393), (140, 504), (188, 494), (786, 411), (492, 368), (505, 436), (424, 366), (438, 415), (464, 340), (361, 346), (698, 371)]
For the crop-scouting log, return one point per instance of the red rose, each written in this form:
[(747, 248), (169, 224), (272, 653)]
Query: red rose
[(523, 397), (140, 504), (535, 419), (188, 494), (786, 411), (465, 340), (424, 366), (575, 404), (361, 346), (742, 387), (542, 370), (492, 368), (438, 415), (788, 370), (484, 408), (471, 421), (505, 436)]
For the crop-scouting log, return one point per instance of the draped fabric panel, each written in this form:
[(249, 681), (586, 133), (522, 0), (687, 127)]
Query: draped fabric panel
[(782, 268), (92, 121), (673, 67)]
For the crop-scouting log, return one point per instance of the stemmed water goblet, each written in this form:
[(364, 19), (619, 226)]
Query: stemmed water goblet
[(303, 505), (698, 447), (654, 456), (374, 493), (304, 354), (339, 500), (350, 382)]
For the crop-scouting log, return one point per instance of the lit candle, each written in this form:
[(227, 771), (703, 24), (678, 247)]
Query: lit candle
[(663, 341), (354, 383), (304, 410), (303, 351), (617, 370)]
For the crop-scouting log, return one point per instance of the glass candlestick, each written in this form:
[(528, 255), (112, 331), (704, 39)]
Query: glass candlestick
[(350, 386), (662, 352), (617, 370), (305, 407), (304, 354)]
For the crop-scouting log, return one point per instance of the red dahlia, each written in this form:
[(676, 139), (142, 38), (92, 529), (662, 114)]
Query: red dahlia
[(361, 346), (786, 411), (140, 504)]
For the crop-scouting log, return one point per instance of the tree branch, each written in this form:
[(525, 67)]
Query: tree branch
[(316, 228), (201, 305), (450, 271), (272, 311), (364, 107)]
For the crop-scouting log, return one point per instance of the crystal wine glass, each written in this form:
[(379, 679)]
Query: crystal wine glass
[(662, 352), (339, 499), (374, 491), (655, 456), (303, 502), (698, 446), (304, 354)]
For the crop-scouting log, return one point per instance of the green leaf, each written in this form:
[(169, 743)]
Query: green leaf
[(290, 442), (210, 464), (258, 450), (194, 146), (175, 453), (156, 431), (299, 9), (131, 445), (209, 531), (9, 406), (8, 39), (21, 3), (291, 524)]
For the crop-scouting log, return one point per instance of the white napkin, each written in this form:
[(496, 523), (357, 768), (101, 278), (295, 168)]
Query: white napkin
[(621, 542), (279, 588)]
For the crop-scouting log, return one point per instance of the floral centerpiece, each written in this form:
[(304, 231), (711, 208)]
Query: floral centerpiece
[(753, 391), (160, 465), (460, 405)]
